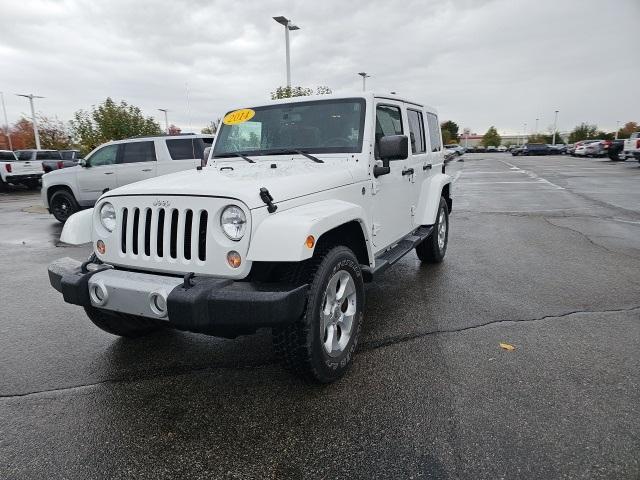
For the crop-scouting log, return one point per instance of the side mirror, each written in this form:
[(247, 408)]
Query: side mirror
[(393, 147), (83, 163)]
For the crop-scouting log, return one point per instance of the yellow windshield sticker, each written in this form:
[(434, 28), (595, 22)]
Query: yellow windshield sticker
[(238, 116)]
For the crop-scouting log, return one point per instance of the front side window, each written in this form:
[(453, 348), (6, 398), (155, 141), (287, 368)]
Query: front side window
[(434, 132), (185, 148), (7, 157), (388, 122), (105, 156), (136, 152), (416, 131), (321, 126)]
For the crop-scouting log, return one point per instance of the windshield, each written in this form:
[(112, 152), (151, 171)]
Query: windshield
[(23, 154), (7, 157), (321, 126)]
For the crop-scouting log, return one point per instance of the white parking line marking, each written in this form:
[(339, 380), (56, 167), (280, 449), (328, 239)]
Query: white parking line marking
[(532, 175)]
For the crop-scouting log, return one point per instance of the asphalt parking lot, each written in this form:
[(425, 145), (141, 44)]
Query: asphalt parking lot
[(544, 254)]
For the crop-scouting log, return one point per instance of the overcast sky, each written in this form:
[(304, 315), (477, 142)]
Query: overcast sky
[(481, 63)]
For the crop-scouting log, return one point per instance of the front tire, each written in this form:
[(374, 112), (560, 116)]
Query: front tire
[(122, 324), (433, 248), (62, 205), (320, 346)]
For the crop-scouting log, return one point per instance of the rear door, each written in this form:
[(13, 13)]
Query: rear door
[(183, 153), (136, 161), (419, 160), (98, 174)]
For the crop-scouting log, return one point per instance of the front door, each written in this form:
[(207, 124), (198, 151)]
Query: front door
[(99, 174), (136, 162), (392, 200)]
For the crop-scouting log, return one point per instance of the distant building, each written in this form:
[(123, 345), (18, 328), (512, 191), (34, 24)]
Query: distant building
[(473, 139)]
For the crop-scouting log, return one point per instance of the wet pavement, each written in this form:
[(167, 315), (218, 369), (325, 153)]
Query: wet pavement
[(544, 254)]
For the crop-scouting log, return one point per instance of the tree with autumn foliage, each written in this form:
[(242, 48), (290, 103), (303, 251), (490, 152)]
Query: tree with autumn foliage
[(53, 134), (628, 129), (110, 121), (173, 130)]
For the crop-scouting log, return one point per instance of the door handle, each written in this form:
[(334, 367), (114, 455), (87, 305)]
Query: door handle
[(427, 167), (109, 173), (407, 171), (146, 169)]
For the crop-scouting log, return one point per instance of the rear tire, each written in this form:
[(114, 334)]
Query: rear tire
[(121, 324), (62, 205), (320, 346), (433, 248)]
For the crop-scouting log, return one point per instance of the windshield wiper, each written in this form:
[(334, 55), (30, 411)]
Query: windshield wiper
[(299, 152), (235, 154)]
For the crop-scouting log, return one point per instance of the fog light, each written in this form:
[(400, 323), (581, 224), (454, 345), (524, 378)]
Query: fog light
[(158, 304), (310, 241), (233, 259), (101, 247)]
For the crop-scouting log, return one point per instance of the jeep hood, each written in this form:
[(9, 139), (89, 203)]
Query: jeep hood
[(242, 181)]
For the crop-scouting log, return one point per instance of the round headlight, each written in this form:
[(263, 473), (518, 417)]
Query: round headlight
[(233, 222), (108, 216)]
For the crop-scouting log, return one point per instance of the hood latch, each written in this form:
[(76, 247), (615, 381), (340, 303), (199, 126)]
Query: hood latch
[(268, 200)]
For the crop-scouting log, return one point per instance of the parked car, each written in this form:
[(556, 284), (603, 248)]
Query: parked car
[(616, 151), (557, 149), (119, 163), (581, 147), (502, 148), (17, 170), (531, 149), (55, 160), (598, 148), (479, 149), (632, 146), (280, 230), (457, 149)]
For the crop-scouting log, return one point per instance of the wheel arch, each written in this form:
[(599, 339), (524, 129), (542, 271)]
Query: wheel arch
[(433, 188)]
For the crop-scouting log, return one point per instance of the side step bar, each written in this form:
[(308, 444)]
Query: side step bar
[(391, 256)]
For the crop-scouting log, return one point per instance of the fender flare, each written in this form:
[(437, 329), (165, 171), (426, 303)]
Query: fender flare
[(78, 228), (280, 237), (429, 198)]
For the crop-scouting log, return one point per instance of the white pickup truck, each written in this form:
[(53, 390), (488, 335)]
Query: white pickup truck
[(17, 172), (302, 201), (632, 146)]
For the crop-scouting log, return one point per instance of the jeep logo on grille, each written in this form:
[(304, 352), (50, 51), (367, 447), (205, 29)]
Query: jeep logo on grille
[(162, 203)]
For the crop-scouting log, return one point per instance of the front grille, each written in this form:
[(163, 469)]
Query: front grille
[(165, 233)]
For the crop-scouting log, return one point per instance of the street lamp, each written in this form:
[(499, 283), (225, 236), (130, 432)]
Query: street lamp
[(288, 25), (364, 79), (6, 122), (555, 126), (617, 127), (166, 120), (31, 96)]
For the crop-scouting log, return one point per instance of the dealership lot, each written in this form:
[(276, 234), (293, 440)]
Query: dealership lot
[(544, 255)]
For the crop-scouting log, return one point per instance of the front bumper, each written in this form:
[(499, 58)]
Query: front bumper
[(208, 305)]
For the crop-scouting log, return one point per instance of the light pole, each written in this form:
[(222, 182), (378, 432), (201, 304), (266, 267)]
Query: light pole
[(6, 122), (288, 25), (536, 130), (364, 80), (617, 127), (524, 133), (555, 126), (166, 120), (31, 96)]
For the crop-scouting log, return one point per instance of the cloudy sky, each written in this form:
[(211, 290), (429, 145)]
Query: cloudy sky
[(481, 63)]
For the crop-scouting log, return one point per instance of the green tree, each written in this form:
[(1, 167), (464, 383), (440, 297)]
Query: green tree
[(537, 138), (110, 121), (212, 128), (288, 92), (491, 138), (450, 131), (584, 131)]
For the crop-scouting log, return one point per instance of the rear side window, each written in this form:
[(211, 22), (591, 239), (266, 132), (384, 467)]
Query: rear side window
[(48, 156), (434, 132), (185, 148), (135, 152), (416, 131)]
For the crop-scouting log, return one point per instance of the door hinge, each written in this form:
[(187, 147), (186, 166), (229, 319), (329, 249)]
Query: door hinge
[(413, 210), (376, 228)]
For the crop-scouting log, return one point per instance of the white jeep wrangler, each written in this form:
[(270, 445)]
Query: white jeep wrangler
[(303, 200)]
